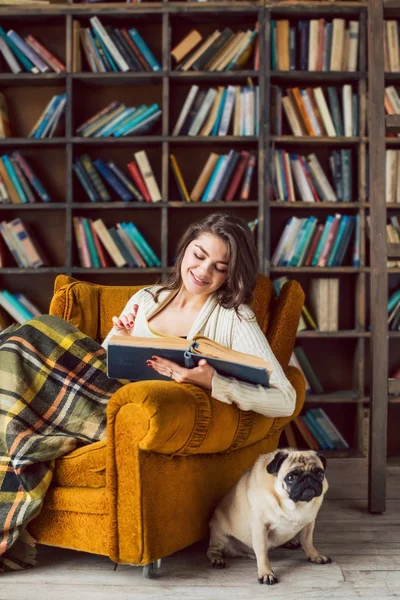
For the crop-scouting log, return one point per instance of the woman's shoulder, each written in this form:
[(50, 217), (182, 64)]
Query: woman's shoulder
[(243, 313), (145, 294)]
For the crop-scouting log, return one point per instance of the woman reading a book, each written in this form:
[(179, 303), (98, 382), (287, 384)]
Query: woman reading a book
[(208, 294), (54, 386)]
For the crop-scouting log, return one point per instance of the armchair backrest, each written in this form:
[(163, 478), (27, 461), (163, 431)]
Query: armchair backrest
[(90, 307)]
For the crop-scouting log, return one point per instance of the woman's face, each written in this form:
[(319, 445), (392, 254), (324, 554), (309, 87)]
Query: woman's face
[(205, 264)]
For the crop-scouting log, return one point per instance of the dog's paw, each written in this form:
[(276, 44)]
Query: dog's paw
[(218, 563), (320, 559), (269, 578)]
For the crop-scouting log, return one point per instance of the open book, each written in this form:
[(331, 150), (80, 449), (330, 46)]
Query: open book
[(126, 358)]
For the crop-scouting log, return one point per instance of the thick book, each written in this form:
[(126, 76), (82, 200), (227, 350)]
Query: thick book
[(127, 356)]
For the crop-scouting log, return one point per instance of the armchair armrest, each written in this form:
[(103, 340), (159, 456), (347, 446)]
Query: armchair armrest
[(284, 320), (181, 419)]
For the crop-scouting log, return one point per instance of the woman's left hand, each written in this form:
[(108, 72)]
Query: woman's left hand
[(201, 375)]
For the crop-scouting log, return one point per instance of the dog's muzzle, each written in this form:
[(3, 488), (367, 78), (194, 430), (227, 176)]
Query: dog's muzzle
[(305, 489)]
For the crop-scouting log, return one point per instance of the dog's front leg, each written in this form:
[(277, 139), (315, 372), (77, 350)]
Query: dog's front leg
[(307, 544), (259, 534)]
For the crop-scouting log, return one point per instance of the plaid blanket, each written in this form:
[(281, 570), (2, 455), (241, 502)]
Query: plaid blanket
[(53, 395)]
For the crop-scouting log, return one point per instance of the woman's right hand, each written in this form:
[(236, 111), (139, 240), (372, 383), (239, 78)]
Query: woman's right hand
[(124, 324)]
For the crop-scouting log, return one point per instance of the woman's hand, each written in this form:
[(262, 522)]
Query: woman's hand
[(201, 375), (124, 325)]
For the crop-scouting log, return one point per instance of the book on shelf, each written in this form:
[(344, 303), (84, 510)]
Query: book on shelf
[(314, 45), (300, 360), (18, 307), (120, 245), (5, 130), (101, 180), (230, 110), (127, 356), (307, 112), (19, 184), (50, 118), (119, 120), (20, 241), (27, 54), (392, 176), (308, 242), (219, 51), (306, 319), (222, 178), (110, 49), (324, 299), (301, 177), (317, 430), (394, 311), (391, 46), (392, 235)]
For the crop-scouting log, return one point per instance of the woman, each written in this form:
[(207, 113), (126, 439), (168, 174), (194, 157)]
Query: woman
[(54, 388)]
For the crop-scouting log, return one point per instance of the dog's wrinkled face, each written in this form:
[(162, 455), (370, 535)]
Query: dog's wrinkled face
[(300, 476)]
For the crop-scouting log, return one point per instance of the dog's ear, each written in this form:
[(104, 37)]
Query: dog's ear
[(322, 459), (275, 464)]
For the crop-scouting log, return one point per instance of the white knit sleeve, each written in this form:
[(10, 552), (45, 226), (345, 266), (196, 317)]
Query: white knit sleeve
[(137, 298), (279, 400)]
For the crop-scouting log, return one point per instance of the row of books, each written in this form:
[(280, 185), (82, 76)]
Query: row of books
[(307, 112), (314, 45), (122, 245), (321, 310), (118, 120), (98, 178), (301, 176), (307, 242), (18, 182), (16, 306), (317, 430), (111, 49), (219, 51), (223, 177), (21, 243), (217, 112), (27, 54), (394, 311)]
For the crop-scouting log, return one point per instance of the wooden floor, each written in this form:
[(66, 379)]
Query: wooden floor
[(365, 550)]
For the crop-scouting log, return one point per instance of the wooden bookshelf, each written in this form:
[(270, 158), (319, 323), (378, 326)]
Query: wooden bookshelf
[(339, 358)]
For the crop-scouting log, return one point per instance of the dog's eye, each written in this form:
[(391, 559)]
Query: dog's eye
[(291, 477), (320, 474)]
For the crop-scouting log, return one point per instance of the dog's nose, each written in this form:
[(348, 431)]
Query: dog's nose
[(308, 494)]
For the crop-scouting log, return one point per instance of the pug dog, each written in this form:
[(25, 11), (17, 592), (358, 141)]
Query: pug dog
[(276, 500)]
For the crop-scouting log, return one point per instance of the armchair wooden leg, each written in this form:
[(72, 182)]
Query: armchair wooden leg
[(150, 570)]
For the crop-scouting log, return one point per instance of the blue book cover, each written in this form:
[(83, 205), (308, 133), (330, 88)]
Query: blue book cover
[(24, 60), (127, 117), (273, 46), (216, 125), (32, 178), (219, 165), (144, 49), (321, 433), (331, 262), (86, 183), (112, 180), (345, 242), (137, 242), (127, 360), (283, 175), (135, 120), (106, 51), (22, 310), (322, 240), (119, 121), (48, 115), (149, 249), (15, 181), (94, 259), (304, 238)]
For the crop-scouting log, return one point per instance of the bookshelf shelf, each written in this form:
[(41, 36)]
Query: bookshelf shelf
[(166, 220), (317, 270), (316, 76), (35, 206), (316, 205)]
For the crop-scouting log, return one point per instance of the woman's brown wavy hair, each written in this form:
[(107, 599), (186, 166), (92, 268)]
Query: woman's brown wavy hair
[(243, 260)]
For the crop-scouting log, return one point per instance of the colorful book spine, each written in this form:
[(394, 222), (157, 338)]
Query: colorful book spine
[(144, 49), (14, 178), (112, 180), (32, 178)]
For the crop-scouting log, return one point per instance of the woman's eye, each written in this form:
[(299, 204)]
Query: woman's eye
[(220, 270), (199, 257)]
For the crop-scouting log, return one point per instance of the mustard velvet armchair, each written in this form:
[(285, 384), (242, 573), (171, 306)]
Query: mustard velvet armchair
[(171, 450)]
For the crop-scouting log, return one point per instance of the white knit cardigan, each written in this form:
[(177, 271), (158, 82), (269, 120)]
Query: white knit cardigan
[(243, 334)]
